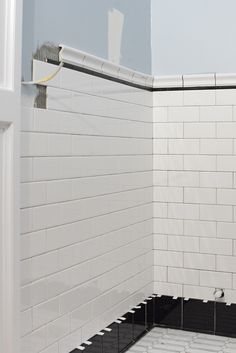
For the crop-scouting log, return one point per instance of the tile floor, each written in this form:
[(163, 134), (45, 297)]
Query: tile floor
[(161, 340)]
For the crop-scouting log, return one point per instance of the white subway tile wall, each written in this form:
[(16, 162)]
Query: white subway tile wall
[(194, 193), (86, 208)]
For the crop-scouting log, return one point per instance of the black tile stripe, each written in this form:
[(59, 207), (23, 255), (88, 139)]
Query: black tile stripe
[(164, 311)]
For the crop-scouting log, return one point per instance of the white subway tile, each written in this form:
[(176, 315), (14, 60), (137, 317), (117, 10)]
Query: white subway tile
[(33, 194), (183, 211), (200, 163), (226, 263), (216, 180), (26, 217), (27, 119), (205, 293), (46, 216), (168, 194), (168, 226), (168, 130), (33, 244), (52, 349), (26, 169), (168, 258), (58, 329), (33, 294), (168, 162), (226, 196), (168, 98), (216, 147), (34, 342), (26, 323), (216, 213), (199, 130), (200, 195), (182, 114), (160, 273), (171, 289), (226, 230), (216, 279), (183, 243), (216, 113), (225, 96), (160, 146), (200, 228), (44, 265), (160, 242), (226, 163), (68, 343), (183, 276), (199, 97), (160, 114), (45, 312), (160, 210), (216, 246), (183, 178), (199, 261), (34, 144), (226, 130), (183, 146), (81, 316), (160, 178)]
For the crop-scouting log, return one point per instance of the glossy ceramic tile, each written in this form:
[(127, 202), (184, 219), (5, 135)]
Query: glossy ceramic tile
[(111, 339), (126, 331), (198, 316), (140, 325), (226, 319), (168, 311), (86, 213)]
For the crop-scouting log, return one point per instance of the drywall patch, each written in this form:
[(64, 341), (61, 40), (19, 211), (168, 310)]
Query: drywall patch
[(47, 51)]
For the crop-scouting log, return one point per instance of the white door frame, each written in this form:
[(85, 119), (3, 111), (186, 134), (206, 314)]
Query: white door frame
[(10, 103)]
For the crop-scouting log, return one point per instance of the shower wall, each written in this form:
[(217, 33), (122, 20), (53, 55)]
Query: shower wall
[(86, 209), (194, 193)]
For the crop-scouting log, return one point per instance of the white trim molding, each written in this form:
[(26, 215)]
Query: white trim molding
[(10, 100), (87, 61)]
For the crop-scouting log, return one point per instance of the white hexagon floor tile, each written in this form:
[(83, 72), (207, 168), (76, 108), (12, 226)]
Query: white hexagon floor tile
[(162, 340)]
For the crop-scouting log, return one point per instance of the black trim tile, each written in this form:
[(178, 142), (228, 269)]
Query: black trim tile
[(225, 319), (111, 339), (126, 332), (198, 316), (139, 326), (96, 346), (150, 313), (168, 311)]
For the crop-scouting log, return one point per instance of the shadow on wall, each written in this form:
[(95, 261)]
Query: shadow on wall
[(118, 30)]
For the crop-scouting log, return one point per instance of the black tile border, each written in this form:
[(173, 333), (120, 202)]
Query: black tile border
[(211, 317)]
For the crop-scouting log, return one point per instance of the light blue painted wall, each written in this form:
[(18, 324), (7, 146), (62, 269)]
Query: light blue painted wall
[(83, 24), (193, 36)]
